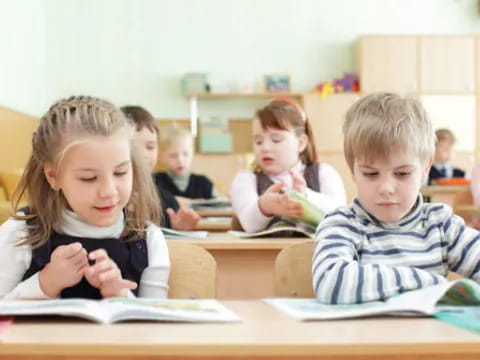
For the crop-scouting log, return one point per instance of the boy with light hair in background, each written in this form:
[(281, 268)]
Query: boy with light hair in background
[(441, 167)]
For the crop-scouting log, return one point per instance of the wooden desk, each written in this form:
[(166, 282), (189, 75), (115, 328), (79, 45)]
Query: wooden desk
[(245, 267), (264, 334), (213, 223), (443, 193)]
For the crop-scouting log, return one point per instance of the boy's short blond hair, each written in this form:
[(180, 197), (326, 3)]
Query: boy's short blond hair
[(170, 134), (445, 135), (380, 123)]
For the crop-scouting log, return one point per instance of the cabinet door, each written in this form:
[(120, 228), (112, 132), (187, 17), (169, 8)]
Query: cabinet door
[(447, 64), (388, 63), (326, 117), (457, 113)]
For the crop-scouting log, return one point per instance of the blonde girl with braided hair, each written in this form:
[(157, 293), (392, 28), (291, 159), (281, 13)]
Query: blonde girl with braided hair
[(88, 228)]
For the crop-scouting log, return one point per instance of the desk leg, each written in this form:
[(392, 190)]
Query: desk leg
[(245, 274)]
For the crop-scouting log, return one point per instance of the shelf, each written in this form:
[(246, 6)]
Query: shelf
[(243, 95)]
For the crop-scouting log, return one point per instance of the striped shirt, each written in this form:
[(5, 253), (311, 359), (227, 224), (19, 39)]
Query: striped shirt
[(358, 258)]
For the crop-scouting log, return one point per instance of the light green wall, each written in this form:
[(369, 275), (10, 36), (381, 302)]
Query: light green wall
[(135, 51)]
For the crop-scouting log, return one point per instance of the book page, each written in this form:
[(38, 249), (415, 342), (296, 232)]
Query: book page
[(181, 310), (175, 234), (84, 308), (444, 297)]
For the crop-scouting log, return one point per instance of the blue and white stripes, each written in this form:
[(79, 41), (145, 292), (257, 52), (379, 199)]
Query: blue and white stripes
[(359, 259)]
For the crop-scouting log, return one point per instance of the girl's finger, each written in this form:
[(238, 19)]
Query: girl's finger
[(97, 254)]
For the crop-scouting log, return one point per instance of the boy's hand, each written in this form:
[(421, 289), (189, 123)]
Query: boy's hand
[(65, 269), (183, 219), (298, 181), (106, 276), (274, 202)]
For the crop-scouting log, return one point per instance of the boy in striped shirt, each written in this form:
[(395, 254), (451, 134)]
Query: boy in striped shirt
[(388, 241)]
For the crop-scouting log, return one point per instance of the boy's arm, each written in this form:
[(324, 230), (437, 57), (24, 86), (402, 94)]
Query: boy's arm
[(463, 247), (340, 278)]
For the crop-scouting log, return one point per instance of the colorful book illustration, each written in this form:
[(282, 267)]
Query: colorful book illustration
[(113, 310), (177, 234), (454, 302), (288, 226), (311, 215)]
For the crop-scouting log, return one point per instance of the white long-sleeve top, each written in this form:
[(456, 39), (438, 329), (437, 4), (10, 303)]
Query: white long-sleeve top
[(15, 260), (244, 197)]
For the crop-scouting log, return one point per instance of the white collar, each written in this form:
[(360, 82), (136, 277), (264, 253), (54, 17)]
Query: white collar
[(285, 178), (74, 226)]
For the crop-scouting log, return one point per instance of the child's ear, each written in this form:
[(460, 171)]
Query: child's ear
[(302, 143), (426, 170), (51, 175)]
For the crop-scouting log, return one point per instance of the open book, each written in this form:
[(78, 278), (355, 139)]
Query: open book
[(211, 204), (279, 229), (176, 234), (120, 309), (454, 297), (288, 226)]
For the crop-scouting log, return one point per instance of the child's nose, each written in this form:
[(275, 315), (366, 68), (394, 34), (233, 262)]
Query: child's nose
[(108, 188), (387, 186)]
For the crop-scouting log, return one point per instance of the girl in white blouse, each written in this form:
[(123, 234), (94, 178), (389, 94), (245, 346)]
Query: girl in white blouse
[(88, 227), (285, 158)]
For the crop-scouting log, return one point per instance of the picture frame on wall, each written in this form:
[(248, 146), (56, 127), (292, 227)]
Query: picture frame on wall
[(277, 83)]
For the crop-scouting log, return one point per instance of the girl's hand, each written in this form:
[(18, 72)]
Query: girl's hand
[(183, 219), (298, 181), (274, 202), (106, 276), (65, 269)]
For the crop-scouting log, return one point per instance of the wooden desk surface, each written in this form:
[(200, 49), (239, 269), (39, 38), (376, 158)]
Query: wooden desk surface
[(226, 241), (442, 189), (264, 334)]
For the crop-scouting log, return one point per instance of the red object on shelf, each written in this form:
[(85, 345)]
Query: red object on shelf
[(452, 181)]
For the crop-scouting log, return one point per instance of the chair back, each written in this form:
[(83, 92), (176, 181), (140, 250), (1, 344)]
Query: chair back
[(9, 181), (6, 211), (463, 206), (293, 271), (192, 271)]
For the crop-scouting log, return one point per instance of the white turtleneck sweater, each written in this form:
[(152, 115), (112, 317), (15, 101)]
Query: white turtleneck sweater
[(15, 260), (244, 197), (358, 258)]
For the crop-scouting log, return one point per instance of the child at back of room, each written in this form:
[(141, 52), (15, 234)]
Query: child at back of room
[(389, 241), (441, 167), (177, 217), (285, 158), (176, 154), (88, 229)]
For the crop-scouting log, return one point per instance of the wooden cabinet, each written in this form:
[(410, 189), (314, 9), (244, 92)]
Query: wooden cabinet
[(447, 64), (387, 63), (326, 117), (417, 64)]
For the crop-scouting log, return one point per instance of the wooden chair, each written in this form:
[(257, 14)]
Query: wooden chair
[(192, 272), (293, 271), (9, 181), (6, 210), (463, 206)]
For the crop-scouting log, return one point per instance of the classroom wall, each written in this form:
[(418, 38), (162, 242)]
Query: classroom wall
[(132, 51)]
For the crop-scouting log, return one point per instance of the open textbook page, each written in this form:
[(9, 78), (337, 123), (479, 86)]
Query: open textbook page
[(456, 296), (288, 226), (120, 309), (176, 234), (279, 229), (211, 204)]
